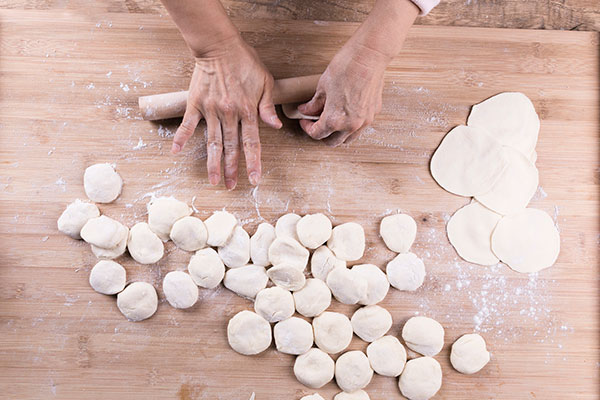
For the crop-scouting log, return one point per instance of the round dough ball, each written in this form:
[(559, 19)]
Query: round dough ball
[(313, 230), (377, 283), (469, 354), (406, 272), (314, 368), (109, 254), (286, 226), (260, 243), (180, 289), (356, 395), (101, 182), (107, 277), (346, 285), (288, 251), (421, 379), (220, 227), (293, 336), (75, 216), (163, 212), (314, 396), (423, 335), (248, 333), (189, 233), (323, 261), (398, 232), (236, 252), (333, 332), (274, 304), (287, 276), (138, 301), (347, 241), (246, 281), (103, 232), (144, 245), (353, 371), (387, 356), (371, 322), (206, 268), (313, 298), (526, 241)]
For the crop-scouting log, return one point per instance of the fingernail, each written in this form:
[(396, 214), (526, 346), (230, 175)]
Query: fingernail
[(229, 184), (276, 122), (254, 178), (175, 148), (213, 179)]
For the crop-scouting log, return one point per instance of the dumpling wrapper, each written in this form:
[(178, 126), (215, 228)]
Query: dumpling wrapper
[(290, 110)]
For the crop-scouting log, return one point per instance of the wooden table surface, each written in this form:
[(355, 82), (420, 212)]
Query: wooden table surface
[(69, 84)]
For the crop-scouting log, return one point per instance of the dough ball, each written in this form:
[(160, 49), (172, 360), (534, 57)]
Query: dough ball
[(75, 216), (470, 232), (107, 277), (246, 281), (468, 162), (313, 298), (293, 336), (286, 226), (469, 354), (421, 379), (248, 333), (377, 283), (189, 234), (163, 212), (356, 395), (314, 368), (144, 245), (423, 335), (287, 276), (323, 261), (346, 285), (101, 182), (387, 356), (103, 232), (274, 304), (406, 272), (314, 396), (347, 241), (180, 289), (527, 241), (260, 243), (206, 268), (398, 232), (109, 254), (219, 226), (285, 250), (353, 371), (290, 110), (333, 332), (138, 301), (371, 322), (313, 230), (236, 252)]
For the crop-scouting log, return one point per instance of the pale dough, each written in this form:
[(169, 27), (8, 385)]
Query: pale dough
[(189, 234), (246, 281), (421, 379), (260, 243), (103, 232), (101, 182), (290, 110), (274, 304), (356, 395), (398, 232), (333, 332), (406, 272), (108, 277), (346, 285), (180, 289), (286, 226), (206, 268), (293, 336), (314, 396), (423, 335), (285, 250), (109, 254), (323, 261), (313, 298), (248, 333), (313, 230), (469, 354), (163, 212), (287, 276), (353, 371), (236, 251), (219, 226), (138, 301), (387, 356), (377, 283), (347, 241), (314, 369), (371, 322), (144, 245), (75, 216)]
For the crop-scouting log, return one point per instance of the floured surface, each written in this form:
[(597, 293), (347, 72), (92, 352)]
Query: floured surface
[(62, 339)]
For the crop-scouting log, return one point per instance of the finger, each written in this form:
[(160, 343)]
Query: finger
[(214, 148), (266, 108), (306, 124), (321, 128), (231, 150), (353, 137), (336, 138), (191, 118), (314, 106), (251, 143)]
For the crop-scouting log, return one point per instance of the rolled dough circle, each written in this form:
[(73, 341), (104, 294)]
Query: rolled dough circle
[(423, 335), (346, 285), (75, 216), (102, 183), (421, 379), (109, 254), (248, 333), (206, 268), (287, 277), (138, 301), (144, 245), (260, 243), (314, 369), (108, 277), (285, 250), (103, 232), (406, 272), (313, 298), (180, 289), (371, 322), (347, 241), (469, 354), (235, 252), (314, 396), (274, 304), (333, 332), (286, 226), (246, 281), (398, 232), (356, 395), (387, 356), (189, 233), (163, 212), (377, 283), (323, 261), (313, 230), (219, 226), (353, 371), (293, 336)]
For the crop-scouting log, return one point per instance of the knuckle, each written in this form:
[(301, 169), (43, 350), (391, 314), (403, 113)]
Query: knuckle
[(251, 143)]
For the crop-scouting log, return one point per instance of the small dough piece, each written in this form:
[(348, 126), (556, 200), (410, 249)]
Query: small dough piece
[(333, 332), (323, 261), (406, 272), (313, 298), (421, 379), (180, 289), (314, 369), (248, 333), (103, 232), (356, 395), (144, 245), (138, 301), (108, 277), (286, 226), (274, 304), (387, 356), (347, 241), (236, 252), (293, 336), (469, 354), (206, 268), (75, 216), (219, 226), (423, 335), (163, 212), (470, 232), (468, 162), (285, 250), (526, 241), (353, 371), (290, 110), (314, 396), (260, 243), (371, 322), (109, 254), (287, 276), (189, 233), (398, 232), (246, 281), (377, 283), (101, 182), (346, 285), (313, 230)]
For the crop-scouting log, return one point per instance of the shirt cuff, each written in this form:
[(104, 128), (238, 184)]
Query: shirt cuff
[(426, 5)]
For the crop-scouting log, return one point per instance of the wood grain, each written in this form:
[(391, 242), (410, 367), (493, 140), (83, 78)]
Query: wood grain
[(68, 92)]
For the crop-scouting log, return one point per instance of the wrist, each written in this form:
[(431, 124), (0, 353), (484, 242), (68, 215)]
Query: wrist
[(217, 45)]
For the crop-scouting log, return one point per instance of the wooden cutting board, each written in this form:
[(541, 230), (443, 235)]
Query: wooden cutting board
[(68, 90)]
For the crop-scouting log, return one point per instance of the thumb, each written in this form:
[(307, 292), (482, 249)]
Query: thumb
[(191, 118), (314, 106), (266, 108)]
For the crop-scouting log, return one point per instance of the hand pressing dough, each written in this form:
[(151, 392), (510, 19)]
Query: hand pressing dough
[(286, 226), (260, 243), (285, 250), (290, 110), (356, 395), (469, 354), (313, 230), (526, 241), (109, 254), (314, 369), (138, 301), (236, 252), (248, 333), (323, 261), (333, 332), (421, 379), (371, 322), (108, 277), (103, 232), (406, 272), (219, 226), (189, 233), (377, 283), (314, 396), (180, 289), (293, 336), (287, 276), (347, 241), (387, 356), (313, 298), (398, 232), (423, 335), (346, 285), (246, 281), (353, 371), (144, 245), (274, 304), (206, 268), (75, 216), (101, 182), (163, 212)]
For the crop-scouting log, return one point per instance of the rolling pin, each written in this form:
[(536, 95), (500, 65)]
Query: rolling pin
[(171, 105)]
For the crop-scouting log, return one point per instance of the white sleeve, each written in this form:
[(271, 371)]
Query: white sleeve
[(426, 5)]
